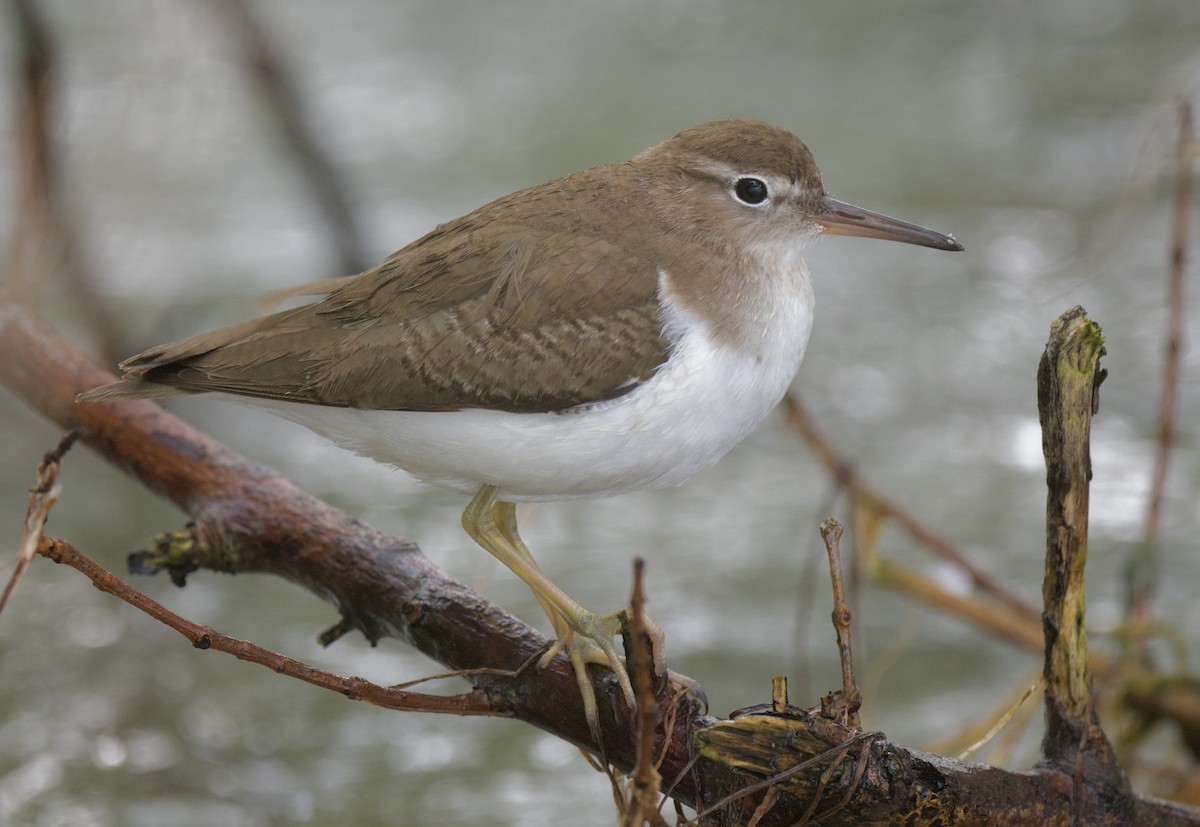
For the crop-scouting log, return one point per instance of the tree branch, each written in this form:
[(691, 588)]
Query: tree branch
[(1016, 609), (247, 519), (205, 638)]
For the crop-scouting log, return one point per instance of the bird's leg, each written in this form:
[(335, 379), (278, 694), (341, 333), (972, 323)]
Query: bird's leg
[(505, 516), (579, 650), (481, 523)]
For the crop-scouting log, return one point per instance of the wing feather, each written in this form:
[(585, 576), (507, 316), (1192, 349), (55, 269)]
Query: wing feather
[(463, 318)]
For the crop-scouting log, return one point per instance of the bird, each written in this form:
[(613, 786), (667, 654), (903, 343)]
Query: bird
[(617, 329)]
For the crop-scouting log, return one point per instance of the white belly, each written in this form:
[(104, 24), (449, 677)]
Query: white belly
[(700, 404)]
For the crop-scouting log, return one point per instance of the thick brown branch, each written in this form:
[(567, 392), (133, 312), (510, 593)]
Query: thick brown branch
[(248, 519), (899, 786)]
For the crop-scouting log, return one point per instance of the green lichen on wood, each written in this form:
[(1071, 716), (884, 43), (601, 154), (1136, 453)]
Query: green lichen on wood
[(1068, 378)]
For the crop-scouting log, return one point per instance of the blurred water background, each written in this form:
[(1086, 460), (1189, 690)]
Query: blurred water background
[(1040, 134)]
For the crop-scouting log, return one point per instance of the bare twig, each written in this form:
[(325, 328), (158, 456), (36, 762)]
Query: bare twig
[(42, 497), (477, 702), (1001, 722), (1141, 568), (43, 228), (851, 698), (642, 802), (860, 770), (865, 496), (1169, 400), (765, 806), (779, 694), (996, 619)]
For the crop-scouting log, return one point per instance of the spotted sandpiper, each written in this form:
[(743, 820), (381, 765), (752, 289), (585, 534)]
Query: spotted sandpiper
[(618, 329)]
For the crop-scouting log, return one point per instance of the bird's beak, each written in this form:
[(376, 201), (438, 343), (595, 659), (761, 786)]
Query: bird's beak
[(840, 218)]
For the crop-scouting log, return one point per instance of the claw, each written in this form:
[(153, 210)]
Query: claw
[(587, 639)]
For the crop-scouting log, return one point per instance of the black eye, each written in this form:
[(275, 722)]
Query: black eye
[(751, 190)]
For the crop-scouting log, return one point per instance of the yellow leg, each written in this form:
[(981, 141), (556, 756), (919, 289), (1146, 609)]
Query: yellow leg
[(579, 650), (505, 516), (585, 636)]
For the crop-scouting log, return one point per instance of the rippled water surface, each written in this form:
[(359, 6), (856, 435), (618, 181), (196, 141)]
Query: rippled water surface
[(1038, 133)]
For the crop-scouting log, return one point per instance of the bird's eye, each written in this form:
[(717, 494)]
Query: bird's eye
[(750, 190)]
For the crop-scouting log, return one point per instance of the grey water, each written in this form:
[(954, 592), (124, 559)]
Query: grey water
[(1039, 134)]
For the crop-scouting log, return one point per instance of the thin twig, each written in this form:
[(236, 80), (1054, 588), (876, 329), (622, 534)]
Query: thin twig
[(689, 767), (819, 792), (477, 702), (1001, 722), (835, 752), (764, 806), (851, 699), (996, 619), (1169, 401), (42, 497), (860, 770), (643, 794), (779, 694), (799, 418)]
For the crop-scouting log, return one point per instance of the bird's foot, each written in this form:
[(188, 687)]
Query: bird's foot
[(590, 638)]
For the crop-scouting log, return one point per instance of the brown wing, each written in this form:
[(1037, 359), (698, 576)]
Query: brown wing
[(463, 318)]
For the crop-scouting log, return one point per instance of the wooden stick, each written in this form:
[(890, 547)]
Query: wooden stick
[(1068, 382)]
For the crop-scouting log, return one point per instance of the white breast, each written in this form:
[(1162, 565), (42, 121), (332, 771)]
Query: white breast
[(701, 403)]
